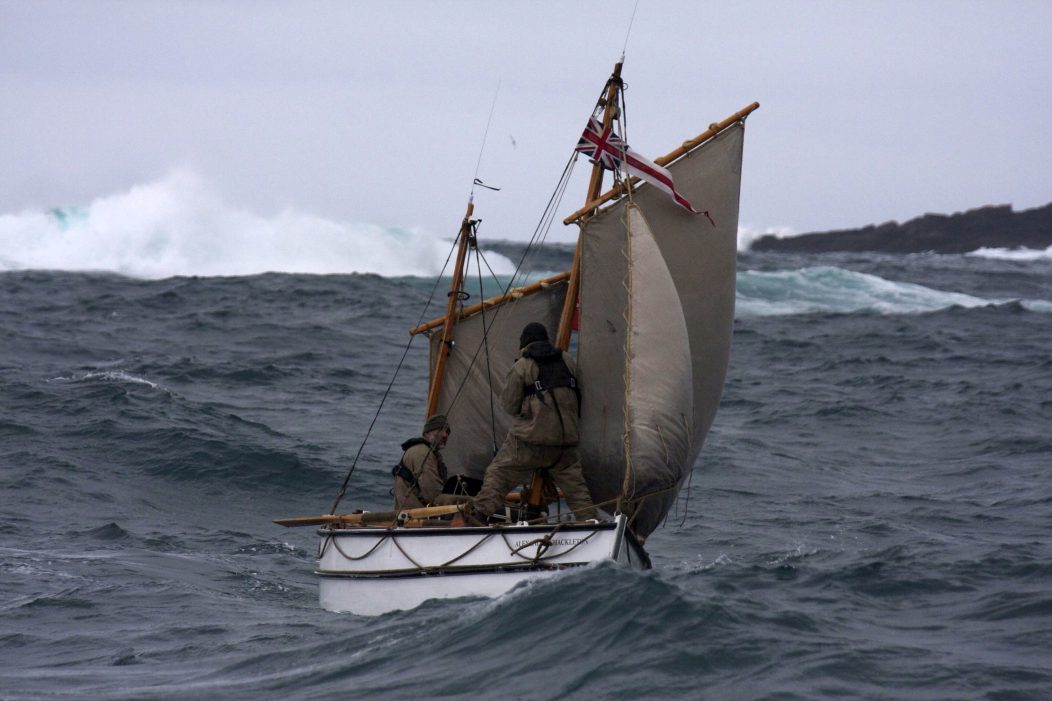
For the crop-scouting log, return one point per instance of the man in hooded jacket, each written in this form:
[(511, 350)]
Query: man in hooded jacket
[(541, 394), (421, 473)]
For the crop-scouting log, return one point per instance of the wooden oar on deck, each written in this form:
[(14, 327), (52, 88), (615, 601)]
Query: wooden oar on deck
[(383, 516), (368, 517)]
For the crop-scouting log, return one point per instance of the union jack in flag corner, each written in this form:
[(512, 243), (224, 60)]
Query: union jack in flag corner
[(609, 150)]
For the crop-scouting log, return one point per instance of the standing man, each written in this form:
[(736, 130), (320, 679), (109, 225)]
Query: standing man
[(420, 474), (541, 394)]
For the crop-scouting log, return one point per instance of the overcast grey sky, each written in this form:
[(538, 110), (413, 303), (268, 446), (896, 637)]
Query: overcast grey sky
[(375, 111)]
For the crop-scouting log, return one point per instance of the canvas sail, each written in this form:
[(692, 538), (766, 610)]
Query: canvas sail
[(659, 398), (474, 379), (700, 260)]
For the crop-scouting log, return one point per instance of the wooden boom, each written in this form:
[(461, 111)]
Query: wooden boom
[(494, 301)]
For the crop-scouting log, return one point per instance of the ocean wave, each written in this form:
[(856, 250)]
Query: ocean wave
[(1021, 254), (179, 226), (107, 375), (1037, 305), (747, 235), (832, 290)]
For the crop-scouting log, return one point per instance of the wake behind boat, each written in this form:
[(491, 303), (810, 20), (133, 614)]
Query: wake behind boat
[(650, 302)]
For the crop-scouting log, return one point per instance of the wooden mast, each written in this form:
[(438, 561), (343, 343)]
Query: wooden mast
[(595, 186), (451, 316), (540, 486)]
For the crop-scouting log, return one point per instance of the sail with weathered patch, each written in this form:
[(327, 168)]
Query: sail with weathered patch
[(475, 372), (659, 399), (700, 260)]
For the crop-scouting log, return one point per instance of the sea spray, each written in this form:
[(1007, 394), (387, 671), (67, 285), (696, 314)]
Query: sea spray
[(178, 225)]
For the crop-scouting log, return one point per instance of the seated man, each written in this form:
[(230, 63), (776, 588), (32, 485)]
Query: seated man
[(420, 474), (541, 393)]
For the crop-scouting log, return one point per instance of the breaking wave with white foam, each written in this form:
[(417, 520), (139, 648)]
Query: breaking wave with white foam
[(1021, 254), (178, 226), (747, 235), (831, 290)]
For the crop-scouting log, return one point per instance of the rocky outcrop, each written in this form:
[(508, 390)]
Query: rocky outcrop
[(995, 226)]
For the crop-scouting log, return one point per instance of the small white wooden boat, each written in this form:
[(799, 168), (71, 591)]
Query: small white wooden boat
[(372, 570), (650, 297)]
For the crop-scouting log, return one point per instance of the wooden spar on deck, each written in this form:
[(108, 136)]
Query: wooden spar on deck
[(493, 302), (451, 311), (368, 517), (562, 336), (686, 147)]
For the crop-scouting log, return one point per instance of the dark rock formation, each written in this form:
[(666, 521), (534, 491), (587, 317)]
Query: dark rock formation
[(990, 227)]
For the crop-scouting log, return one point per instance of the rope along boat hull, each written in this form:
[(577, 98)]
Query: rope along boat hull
[(370, 571)]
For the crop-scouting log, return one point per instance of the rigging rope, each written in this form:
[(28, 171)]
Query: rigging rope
[(628, 478), (627, 435), (542, 226), (485, 334), (482, 149), (423, 313), (496, 280), (622, 121), (539, 236), (543, 543), (686, 504), (548, 216), (629, 32)]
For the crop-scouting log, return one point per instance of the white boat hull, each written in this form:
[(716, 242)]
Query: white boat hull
[(370, 571)]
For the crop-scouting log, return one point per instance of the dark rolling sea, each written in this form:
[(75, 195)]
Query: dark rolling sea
[(871, 516)]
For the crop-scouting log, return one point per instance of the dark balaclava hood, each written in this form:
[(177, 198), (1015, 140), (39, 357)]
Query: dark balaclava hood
[(532, 332)]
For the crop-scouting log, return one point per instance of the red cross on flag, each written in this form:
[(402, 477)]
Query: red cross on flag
[(610, 151)]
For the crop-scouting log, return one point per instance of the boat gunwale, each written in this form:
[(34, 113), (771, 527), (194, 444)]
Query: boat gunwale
[(623, 533), (452, 570), (418, 531)]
